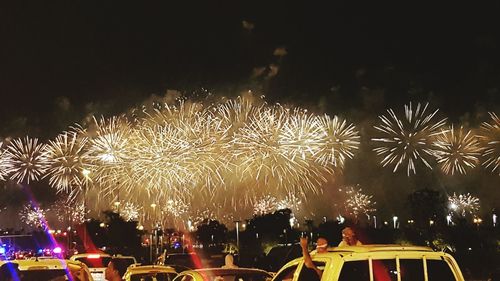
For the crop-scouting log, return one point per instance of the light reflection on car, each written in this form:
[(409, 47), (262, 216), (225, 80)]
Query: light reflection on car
[(224, 274)]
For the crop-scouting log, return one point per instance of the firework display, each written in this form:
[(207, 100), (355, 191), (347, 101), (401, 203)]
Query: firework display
[(66, 159), (457, 151), (25, 160), (33, 216), (3, 164), (358, 203), (70, 212), (463, 204), (339, 140), (269, 204), (408, 140), (491, 139), (265, 205), (129, 211), (236, 153)]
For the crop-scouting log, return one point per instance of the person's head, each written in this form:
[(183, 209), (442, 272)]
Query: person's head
[(116, 269), (229, 259), (349, 236), (321, 245), (9, 271)]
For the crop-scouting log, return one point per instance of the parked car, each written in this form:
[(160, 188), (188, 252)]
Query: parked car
[(96, 262), (374, 262), (224, 274), (150, 273), (47, 269)]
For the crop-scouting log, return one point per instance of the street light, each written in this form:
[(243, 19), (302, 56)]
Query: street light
[(394, 220), (238, 235), (153, 205)]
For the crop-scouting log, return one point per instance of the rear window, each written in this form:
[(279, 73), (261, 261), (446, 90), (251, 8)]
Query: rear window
[(188, 260), (439, 270), (128, 261), (95, 262), (44, 275), (355, 270)]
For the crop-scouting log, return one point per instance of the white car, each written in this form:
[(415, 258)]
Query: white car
[(374, 263), (96, 262), (47, 269)]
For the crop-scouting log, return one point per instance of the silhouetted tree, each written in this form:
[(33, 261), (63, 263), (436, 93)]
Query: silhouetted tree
[(426, 205), (211, 232)]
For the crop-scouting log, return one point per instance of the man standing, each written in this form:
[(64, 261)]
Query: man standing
[(321, 247), (349, 238)]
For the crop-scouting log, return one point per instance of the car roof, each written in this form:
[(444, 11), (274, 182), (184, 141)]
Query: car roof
[(227, 271), (379, 248), (149, 268), (84, 255), (46, 264)]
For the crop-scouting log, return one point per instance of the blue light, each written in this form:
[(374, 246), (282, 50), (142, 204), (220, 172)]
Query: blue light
[(2, 251), (177, 245), (40, 251)]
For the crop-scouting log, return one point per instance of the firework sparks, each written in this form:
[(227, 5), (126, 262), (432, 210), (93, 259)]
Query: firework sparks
[(25, 159), (408, 140), (463, 204), (338, 141), (108, 152), (66, 160), (458, 151), (69, 211), (291, 201), (176, 208), (358, 203), (266, 157), (200, 216), (130, 211), (33, 216), (491, 138), (3, 164), (265, 205)]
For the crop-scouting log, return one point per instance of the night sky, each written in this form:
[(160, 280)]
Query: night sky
[(61, 61), (107, 57)]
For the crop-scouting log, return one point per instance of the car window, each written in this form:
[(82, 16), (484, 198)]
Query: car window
[(127, 261), (411, 269), (95, 262), (187, 260), (385, 270), (439, 270), (45, 275), (355, 270), (286, 274)]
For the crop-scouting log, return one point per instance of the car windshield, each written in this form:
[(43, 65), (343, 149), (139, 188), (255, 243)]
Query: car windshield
[(95, 261), (187, 260), (127, 261)]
